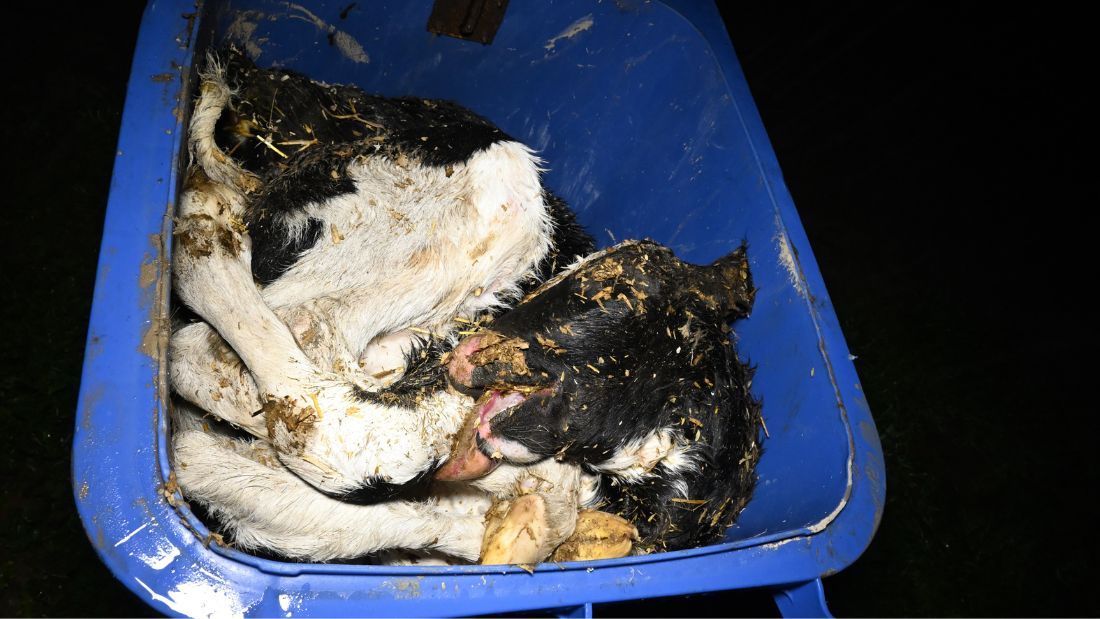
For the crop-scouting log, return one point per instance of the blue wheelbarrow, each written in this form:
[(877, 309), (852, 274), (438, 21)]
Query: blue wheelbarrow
[(647, 124)]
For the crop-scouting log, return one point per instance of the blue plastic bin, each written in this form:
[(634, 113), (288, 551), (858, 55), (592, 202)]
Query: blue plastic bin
[(648, 128)]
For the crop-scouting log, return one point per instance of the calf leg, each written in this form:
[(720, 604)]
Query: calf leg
[(265, 506), (211, 264), (205, 371)]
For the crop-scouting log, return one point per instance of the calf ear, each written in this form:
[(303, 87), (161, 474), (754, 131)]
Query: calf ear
[(731, 284)]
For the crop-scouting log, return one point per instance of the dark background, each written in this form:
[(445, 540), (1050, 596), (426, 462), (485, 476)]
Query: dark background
[(938, 161)]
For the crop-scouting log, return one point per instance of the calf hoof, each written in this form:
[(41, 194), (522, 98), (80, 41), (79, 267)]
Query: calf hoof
[(516, 532), (598, 535)]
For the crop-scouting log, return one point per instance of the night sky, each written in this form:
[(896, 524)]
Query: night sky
[(937, 160)]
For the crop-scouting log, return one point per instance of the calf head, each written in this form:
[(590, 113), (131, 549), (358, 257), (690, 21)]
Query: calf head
[(624, 352)]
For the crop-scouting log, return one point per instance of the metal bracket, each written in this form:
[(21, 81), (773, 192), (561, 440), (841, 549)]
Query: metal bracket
[(472, 20)]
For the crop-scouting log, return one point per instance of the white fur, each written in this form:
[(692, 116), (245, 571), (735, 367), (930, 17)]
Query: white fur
[(635, 461), (417, 245)]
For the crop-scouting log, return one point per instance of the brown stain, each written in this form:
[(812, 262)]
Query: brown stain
[(143, 505), (194, 234), (285, 410), (148, 272), (221, 351), (502, 350), (309, 335), (193, 244), (401, 223), (549, 344), (249, 183), (265, 457), (155, 271), (90, 402), (197, 180), (163, 78), (244, 128), (483, 246), (229, 241), (709, 300), (867, 430), (82, 494), (151, 339), (171, 486), (169, 491), (604, 294), (214, 538), (423, 258), (154, 341)]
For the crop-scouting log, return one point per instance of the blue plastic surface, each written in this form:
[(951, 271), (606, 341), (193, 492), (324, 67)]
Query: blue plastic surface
[(648, 129), (803, 600)]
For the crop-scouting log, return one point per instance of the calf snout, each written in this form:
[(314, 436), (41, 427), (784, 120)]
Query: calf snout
[(491, 360), (460, 369), (477, 450), (468, 460)]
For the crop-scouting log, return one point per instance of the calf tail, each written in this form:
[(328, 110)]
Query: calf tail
[(214, 96)]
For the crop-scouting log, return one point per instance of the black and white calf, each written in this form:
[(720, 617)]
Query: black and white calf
[(355, 226), (614, 386), (318, 271)]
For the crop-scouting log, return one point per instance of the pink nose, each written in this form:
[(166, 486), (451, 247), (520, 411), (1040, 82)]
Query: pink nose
[(459, 367)]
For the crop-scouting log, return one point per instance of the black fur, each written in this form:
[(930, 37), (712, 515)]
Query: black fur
[(286, 106), (633, 342), (273, 253), (424, 374), (377, 490)]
